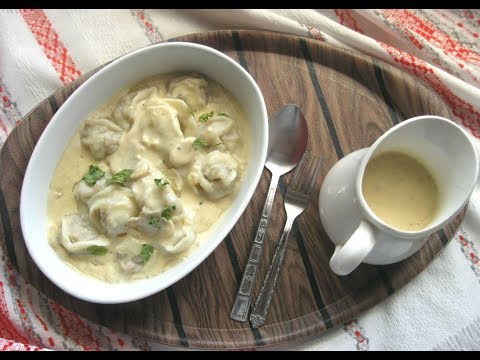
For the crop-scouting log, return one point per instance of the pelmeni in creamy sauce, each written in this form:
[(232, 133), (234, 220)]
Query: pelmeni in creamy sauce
[(400, 190), (147, 176)]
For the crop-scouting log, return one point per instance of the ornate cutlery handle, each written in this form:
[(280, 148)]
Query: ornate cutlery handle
[(259, 313), (244, 295)]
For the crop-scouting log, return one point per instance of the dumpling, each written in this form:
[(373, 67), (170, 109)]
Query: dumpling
[(181, 241), (183, 152), (153, 226), (111, 208), (159, 124), (156, 127), (184, 113), (128, 255), (128, 157), (219, 131), (101, 135), (125, 110), (215, 173), (84, 191), (162, 215), (159, 206), (175, 179), (78, 234), (153, 201), (192, 90)]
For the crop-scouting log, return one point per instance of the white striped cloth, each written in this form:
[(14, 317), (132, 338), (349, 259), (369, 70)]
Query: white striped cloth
[(42, 50)]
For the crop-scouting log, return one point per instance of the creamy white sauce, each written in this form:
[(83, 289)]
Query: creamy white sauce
[(157, 143), (400, 190)]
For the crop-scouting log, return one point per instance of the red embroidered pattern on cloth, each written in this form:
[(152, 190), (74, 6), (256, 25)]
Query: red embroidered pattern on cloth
[(465, 16), (346, 19), (453, 52), (48, 39), (7, 105), (30, 303), (9, 345), (7, 328), (24, 323), (146, 23), (74, 327), (412, 24), (81, 334), (357, 332), (11, 114), (471, 18), (419, 68), (470, 252), (315, 33), (3, 127)]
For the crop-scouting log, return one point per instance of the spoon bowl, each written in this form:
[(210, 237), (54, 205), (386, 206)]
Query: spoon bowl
[(288, 134)]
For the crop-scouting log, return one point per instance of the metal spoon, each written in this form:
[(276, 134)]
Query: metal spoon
[(288, 135)]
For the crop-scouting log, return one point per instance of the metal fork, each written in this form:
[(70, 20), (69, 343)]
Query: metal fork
[(296, 200)]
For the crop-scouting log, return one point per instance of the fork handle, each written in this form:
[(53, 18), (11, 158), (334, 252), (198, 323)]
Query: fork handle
[(244, 294), (259, 313)]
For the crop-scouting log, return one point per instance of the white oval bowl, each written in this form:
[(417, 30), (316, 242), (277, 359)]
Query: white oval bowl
[(127, 70)]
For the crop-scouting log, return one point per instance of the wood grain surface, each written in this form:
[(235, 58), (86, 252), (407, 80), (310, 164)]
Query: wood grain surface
[(349, 100)]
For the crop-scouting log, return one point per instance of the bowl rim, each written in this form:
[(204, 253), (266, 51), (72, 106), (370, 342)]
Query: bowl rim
[(209, 244)]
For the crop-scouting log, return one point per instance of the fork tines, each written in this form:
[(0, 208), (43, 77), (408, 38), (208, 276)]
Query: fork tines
[(307, 170)]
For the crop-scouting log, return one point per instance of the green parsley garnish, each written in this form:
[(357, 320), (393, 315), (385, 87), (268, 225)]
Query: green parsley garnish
[(146, 252), (204, 117), (199, 144), (153, 220), (215, 145), (97, 250), (161, 183), (121, 177), (167, 212), (94, 174), (190, 110)]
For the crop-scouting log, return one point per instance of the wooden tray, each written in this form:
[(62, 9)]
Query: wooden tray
[(349, 100)]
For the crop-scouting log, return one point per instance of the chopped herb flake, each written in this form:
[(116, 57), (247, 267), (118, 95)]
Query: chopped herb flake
[(199, 144), (153, 220), (146, 252), (161, 183), (97, 250), (204, 117), (190, 110), (121, 177), (94, 174), (167, 212)]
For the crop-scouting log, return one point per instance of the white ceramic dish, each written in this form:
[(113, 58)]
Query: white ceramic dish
[(359, 234), (133, 67)]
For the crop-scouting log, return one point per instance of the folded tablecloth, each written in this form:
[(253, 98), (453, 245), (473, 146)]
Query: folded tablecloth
[(42, 50)]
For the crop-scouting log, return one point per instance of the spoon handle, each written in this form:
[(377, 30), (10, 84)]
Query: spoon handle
[(244, 295), (259, 313)]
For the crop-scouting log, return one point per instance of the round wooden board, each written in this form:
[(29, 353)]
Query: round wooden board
[(349, 100)]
